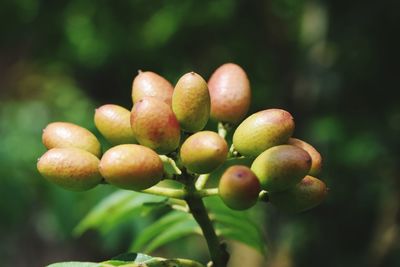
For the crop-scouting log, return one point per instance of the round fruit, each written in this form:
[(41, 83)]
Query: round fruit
[(131, 166), (71, 168), (154, 125), (316, 159), (230, 93), (239, 187), (64, 134), (203, 152), (281, 167), (307, 194), (262, 130), (191, 102), (113, 122), (148, 83)]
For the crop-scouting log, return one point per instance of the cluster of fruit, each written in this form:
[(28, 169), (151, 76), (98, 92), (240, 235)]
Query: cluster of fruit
[(169, 121)]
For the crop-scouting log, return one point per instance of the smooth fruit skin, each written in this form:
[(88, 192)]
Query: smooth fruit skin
[(191, 102), (281, 167), (203, 152), (262, 130), (307, 194), (148, 83), (239, 187), (316, 159), (65, 134), (230, 93), (71, 168), (113, 122), (154, 125), (131, 166)]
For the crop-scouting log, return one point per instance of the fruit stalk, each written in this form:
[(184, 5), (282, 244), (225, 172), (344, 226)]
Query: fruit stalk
[(218, 254)]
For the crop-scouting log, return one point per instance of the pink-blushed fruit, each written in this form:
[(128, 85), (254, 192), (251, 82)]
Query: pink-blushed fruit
[(154, 125), (191, 102), (203, 152), (262, 130), (307, 194), (131, 166), (239, 187), (148, 83), (113, 122), (71, 168), (230, 93), (65, 134), (316, 159), (281, 167)]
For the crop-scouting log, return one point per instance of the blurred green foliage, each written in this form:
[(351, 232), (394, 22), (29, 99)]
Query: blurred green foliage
[(332, 64)]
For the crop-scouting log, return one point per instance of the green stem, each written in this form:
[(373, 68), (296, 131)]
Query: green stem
[(222, 130), (207, 192), (218, 254), (202, 181), (165, 192)]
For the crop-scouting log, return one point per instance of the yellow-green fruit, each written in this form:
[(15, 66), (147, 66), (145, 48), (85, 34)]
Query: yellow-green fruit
[(71, 168), (307, 194), (131, 166), (148, 83), (230, 93), (113, 122), (65, 134), (281, 167), (203, 152), (316, 159), (191, 102), (154, 125), (262, 130), (239, 187)]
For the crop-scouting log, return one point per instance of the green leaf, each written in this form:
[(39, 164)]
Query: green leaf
[(235, 225), (169, 228), (157, 228), (132, 256), (117, 207), (74, 264)]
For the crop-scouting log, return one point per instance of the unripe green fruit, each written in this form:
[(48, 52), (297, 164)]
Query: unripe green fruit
[(71, 168), (131, 166), (230, 93), (191, 102), (154, 125), (307, 194), (148, 83), (203, 152), (64, 134), (316, 159), (281, 167), (113, 122), (239, 187), (262, 130)]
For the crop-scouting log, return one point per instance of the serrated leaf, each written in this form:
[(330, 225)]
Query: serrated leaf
[(115, 208), (157, 228), (74, 264)]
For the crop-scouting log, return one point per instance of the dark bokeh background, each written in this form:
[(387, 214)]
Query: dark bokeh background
[(332, 64)]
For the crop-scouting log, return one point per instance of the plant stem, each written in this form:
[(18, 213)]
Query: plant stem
[(218, 254), (222, 130), (201, 181), (165, 192), (207, 192)]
